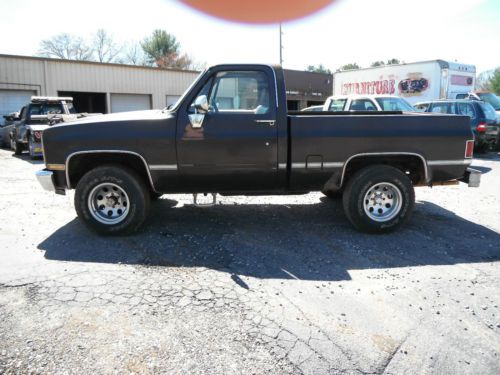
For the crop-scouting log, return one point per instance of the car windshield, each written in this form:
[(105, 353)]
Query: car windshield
[(394, 104), (489, 111), (71, 107), (337, 105), (490, 98)]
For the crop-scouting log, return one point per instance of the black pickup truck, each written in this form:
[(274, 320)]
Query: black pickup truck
[(231, 134)]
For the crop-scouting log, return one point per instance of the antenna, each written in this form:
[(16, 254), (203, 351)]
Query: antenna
[(281, 46)]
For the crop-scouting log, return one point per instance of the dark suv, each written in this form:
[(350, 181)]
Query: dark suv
[(482, 118)]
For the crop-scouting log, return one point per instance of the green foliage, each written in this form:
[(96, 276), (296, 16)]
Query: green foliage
[(393, 61), (495, 81), (159, 46), (350, 66), (319, 69), (377, 63)]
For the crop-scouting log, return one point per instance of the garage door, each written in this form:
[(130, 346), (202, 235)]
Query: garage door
[(130, 102), (13, 100)]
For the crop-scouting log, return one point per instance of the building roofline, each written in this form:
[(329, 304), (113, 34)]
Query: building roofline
[(38, 58)]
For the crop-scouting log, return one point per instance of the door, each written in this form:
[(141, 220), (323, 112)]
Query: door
[(13, 101), (130, 102), (235, 148)]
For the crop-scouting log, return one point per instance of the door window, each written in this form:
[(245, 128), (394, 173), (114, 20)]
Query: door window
[(443, 108), (240, 92)]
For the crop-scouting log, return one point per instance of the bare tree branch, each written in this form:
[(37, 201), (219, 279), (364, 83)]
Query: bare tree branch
[(66, 46)]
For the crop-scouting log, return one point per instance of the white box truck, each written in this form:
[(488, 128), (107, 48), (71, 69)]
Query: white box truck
[(416, 82)]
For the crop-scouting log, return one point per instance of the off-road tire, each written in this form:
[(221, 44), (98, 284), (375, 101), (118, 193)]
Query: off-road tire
[(126, 179), (17, 147), (358, 186)]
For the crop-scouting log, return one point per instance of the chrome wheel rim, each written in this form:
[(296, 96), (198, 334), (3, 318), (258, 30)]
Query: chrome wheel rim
[(382, 201), (108, 203)]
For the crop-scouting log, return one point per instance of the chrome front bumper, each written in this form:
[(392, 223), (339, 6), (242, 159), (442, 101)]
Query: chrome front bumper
[(44, 177)]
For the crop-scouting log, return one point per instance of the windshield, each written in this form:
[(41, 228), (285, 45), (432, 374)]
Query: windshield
[(71, 107), (394, 104), (188, 90), (490, 98), (489, 111)]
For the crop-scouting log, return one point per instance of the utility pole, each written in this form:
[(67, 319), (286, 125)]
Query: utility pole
[(281, 46)]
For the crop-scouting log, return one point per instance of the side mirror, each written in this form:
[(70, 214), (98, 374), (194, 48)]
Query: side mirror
[(201, 104)]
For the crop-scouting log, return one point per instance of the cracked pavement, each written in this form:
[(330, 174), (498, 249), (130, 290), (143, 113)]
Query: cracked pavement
[(254, 285)]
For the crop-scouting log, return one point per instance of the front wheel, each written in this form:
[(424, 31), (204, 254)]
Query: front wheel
[(31, 147), (16, 146), (378, 199), (112, 200)]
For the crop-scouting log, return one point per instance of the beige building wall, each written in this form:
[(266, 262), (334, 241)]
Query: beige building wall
[(49, 76)]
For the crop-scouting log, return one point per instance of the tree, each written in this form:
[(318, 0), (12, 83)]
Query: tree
[(495, 81), (377, 63), (350, 66), (393, 62), (319, 69), (132, 54), (106, 50), (66, 46), (159, 46)]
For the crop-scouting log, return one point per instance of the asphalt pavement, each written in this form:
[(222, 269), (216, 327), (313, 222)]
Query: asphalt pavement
[(254, 285)]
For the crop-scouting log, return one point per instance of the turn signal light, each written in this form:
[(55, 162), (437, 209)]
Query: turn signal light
[(469, 149), (481, 127)]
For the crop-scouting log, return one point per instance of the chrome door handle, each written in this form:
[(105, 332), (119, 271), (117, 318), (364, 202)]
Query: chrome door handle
[(270, 122)]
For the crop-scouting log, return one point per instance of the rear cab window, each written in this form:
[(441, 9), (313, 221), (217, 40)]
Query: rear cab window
[(362, 105)]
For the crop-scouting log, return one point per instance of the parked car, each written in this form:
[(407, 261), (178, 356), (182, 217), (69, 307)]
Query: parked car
[(230, 133), (339, 103), (482, 118), (314, 108), (487, 97), (6, 127), (35, 117)]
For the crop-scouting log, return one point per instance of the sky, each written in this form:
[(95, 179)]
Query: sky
[(361, 31)]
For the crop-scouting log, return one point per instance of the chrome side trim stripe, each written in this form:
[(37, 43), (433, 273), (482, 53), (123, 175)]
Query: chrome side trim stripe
[(317, 165), (163, 167), (449, 162)]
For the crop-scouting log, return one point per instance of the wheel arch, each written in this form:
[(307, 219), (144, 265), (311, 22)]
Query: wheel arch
[(88, 160), (412, 164)]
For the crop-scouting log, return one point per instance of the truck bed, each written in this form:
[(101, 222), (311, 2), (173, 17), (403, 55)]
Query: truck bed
[(322, 143)]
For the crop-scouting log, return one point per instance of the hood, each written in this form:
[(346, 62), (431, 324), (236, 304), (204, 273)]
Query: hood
[(154, 114), (37, 128)]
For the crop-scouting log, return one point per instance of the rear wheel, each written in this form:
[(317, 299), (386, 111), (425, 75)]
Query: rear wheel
[(112, 200), (378, 199)]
